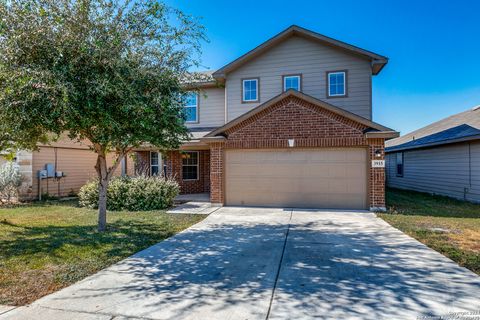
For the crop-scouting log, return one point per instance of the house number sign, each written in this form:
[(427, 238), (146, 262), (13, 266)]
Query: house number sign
[(378, 163)]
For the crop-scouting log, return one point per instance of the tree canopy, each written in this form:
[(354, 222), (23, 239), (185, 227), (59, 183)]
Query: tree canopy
[(109, 71)]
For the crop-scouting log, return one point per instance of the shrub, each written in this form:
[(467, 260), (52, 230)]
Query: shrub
[(135, 194), (10, 180)]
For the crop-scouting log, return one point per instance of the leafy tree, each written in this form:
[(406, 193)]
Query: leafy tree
[(14, 137), (109, 71)]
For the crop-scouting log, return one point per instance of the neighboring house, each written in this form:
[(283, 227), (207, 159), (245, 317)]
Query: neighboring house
[(287, 124), (442, 158), (74, 160)]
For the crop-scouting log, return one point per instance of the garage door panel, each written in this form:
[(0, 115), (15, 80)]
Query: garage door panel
[(329, 178)]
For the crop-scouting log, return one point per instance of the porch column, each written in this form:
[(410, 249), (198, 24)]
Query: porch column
[(217, 187), (377, 175)]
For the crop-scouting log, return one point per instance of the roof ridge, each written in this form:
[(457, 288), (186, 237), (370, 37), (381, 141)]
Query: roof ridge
[(378, 61)]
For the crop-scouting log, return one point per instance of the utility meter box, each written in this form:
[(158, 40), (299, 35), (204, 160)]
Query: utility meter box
[(59, 174), (42, 174), (50, 170)]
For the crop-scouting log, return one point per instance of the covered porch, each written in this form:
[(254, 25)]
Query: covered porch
[(189, 166)]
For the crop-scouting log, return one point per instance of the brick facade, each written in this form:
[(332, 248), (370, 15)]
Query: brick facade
[(173, 161), (216, 173), (311, 126), (377, 175)]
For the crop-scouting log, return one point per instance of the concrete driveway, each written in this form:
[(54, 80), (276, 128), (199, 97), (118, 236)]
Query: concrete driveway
[(257, 263)]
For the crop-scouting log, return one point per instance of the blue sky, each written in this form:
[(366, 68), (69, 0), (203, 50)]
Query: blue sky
[(433, 46)]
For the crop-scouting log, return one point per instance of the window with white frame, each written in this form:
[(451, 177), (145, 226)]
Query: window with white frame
[(191, 107), (292, 82), (399, 164), (154, 163), (190, 165), (250, 90), (337, 85)]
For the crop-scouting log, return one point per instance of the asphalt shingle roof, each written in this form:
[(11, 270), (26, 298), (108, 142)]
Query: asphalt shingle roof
[(470, 118), (446, 136)]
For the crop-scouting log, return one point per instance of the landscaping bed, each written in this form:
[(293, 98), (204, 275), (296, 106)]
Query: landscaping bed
[(449, 226), (47, 246)]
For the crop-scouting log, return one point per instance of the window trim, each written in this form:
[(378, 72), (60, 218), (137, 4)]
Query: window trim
[(400, 175), (300, 81), (157, 165), (242, 90), (345, 84), (197, 107), (191, 165)]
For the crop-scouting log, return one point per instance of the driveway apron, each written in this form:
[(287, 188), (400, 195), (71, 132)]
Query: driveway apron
[(259, 263)]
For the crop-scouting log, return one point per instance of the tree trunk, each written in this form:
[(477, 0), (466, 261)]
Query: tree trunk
[(103, 180), (102, 205), (104, 175)]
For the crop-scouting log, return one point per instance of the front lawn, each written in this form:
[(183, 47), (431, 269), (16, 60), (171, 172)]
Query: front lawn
[(449, 226), (47, 246)]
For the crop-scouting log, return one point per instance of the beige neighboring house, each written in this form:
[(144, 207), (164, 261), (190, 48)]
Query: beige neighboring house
[(73, 159), (287, 124)]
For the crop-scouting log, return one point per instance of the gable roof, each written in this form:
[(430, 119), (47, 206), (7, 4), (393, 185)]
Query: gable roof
[(463, 132), (374, 127), (378, 61), (469, 117)]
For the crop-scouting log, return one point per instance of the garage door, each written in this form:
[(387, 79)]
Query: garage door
[(313, 178)]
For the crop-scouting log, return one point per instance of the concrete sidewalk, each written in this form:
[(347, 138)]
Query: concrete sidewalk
[(258, 263)]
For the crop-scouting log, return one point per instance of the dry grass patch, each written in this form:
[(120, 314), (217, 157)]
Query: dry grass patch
[(449, 226)]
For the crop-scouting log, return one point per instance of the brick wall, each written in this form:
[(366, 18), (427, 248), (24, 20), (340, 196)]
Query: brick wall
[(311, 126), (377, 175), (216, 173), (174, 169)]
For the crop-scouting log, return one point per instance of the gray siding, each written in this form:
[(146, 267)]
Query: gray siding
[(211, 108), (443, 170), (312, 60), (475, 165)]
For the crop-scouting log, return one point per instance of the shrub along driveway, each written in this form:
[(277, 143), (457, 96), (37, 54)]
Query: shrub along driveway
[(252, 263)]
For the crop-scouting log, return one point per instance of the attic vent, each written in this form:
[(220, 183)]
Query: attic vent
[(476, 108)]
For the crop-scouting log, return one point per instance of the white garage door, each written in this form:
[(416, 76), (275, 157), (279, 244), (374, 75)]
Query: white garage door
[(306, 178)]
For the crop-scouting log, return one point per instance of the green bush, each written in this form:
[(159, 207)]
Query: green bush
[(134, 194)]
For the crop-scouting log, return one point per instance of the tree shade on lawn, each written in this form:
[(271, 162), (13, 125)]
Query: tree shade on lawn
[(46, 246), (106, 71)]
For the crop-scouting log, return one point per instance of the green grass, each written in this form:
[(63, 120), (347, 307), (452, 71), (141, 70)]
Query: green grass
[(449, 226), (47, 246)]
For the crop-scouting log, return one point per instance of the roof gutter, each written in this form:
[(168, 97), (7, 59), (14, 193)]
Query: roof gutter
[(382, 134)]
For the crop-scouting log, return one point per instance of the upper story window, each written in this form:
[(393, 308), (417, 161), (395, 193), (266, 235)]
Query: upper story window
[(250, 90), (337, 84), (191, 107), (292, 82), (399, 164)]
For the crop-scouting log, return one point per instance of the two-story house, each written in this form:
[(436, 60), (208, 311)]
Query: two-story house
[(287, 124)]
